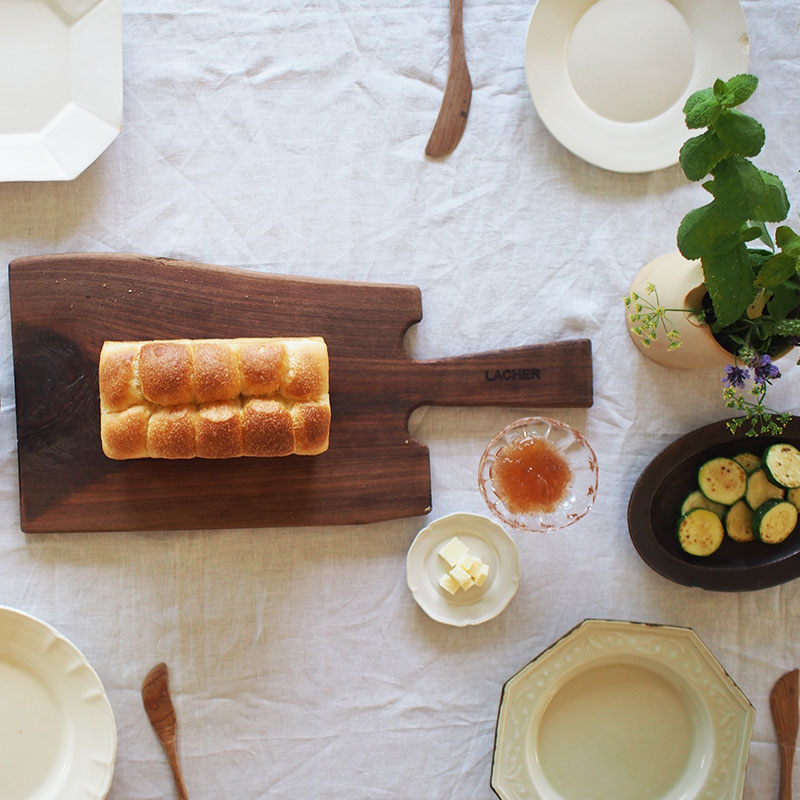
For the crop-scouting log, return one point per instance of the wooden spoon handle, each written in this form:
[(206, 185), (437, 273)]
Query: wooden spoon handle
[(787, 762), (456, 28), (172, 758), (161, 713)]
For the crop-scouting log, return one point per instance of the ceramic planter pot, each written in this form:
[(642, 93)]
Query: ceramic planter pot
[(680, 285)]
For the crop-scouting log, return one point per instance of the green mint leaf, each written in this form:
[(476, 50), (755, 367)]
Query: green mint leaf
[(741, 87), (739, 133), (788, 240), (750, 234), (700, 154), (722, 94), (729, 279), (773, 204), (784, 301), (701, 228), (701, 109), (764, 236), (737, 188), (728, 242), (776, 270), (746, 192), (758, 256)]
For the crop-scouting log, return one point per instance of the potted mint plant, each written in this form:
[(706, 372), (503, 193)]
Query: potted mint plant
[(747, 304)]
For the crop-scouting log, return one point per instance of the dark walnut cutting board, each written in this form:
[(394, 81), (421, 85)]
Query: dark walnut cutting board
[(64, 306)]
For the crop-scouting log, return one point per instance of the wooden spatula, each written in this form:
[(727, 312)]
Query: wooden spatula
[(783, 703), (452, 117), (161, 713)]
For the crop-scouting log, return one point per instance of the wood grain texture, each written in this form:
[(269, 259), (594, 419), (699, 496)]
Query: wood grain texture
[(161, 713), (453, 113), (783, 704), (63, 307)]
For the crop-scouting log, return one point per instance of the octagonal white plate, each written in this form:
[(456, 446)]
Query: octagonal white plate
[(58, 740), (609, 78), (485, 539), (60, 86), (622, 710)]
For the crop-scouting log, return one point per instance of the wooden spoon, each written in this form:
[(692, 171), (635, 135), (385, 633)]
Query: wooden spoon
[(452, 117), (783, 704), (161, 712)]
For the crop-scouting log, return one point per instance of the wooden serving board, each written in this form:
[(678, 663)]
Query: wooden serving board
[(64, 306)]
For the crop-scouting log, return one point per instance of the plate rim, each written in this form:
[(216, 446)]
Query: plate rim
[(103, 784), (418, 549), (690, 634), (705, 574), (75, 136), (622, 159)]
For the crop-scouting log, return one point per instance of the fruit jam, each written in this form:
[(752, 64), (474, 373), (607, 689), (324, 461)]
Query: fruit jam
[(529, 474)]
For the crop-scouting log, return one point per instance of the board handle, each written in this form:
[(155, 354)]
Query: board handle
[(556, 374)]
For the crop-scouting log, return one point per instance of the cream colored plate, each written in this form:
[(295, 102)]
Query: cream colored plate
[(609, 77), (58, 740), (60, 86), (622, 710), (485, 539)]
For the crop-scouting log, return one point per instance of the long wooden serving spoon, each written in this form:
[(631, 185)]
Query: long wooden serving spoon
[(783, 703), (161, 713), (453, 113)]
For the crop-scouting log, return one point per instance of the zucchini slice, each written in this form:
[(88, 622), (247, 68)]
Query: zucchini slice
[(782, 465), (760, 489), (722, 480), (774, 520), (697, 499), (700, 532), (749, 461), (738, 522)]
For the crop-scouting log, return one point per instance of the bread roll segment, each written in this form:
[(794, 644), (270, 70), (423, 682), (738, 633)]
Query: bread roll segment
[(214, 398)]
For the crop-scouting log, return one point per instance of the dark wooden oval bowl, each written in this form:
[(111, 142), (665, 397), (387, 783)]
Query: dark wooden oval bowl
[(654, 509)]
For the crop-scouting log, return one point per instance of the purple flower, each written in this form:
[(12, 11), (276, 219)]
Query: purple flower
[(764, 370), (735, 376)]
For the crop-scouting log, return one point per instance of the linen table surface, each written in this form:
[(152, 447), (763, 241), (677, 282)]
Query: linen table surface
[(288, 138)]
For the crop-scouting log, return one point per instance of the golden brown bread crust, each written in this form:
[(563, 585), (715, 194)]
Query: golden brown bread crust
[(214, 398), (125, 432), (219, 430)]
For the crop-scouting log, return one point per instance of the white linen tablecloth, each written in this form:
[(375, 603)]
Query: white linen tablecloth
[(289, 137)]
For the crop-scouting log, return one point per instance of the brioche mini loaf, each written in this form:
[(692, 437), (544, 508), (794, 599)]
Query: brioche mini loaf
[(214, 398)]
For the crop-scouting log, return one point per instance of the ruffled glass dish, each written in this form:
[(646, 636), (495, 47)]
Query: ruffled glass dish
[(581, 489)]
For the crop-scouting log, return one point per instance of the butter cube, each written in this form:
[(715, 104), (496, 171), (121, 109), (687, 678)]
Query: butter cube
[(449, 583), (467, 561), (482, 575), (462, 576), (453, 551), (474, 568)]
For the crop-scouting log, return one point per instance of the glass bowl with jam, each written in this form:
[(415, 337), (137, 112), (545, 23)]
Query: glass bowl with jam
[(538, 474)]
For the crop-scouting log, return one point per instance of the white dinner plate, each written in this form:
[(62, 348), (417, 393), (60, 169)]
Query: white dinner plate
[(609, 78), (622, 710), (60, 86), (485, 539), (58, 740)]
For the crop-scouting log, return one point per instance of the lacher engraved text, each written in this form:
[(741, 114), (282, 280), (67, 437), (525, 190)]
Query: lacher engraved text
[(529, 374)]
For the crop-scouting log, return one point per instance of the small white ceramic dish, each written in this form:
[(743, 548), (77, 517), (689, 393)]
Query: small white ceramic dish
[(622, 710), (58, 740), (60, 86), (485, 539), (609, 77)]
